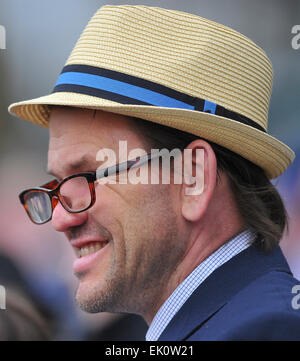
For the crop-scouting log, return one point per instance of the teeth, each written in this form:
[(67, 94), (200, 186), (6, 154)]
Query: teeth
[(89, 249)]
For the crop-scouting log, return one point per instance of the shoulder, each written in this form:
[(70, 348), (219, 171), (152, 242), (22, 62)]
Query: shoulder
[(272, 291), (266, 309)]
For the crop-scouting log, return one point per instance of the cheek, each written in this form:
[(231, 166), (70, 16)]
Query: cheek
[(150, 218), (135, 214), (151, 232)]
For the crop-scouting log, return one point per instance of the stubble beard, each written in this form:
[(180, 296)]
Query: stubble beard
[(122, 293), (103, 296), (153, 258)]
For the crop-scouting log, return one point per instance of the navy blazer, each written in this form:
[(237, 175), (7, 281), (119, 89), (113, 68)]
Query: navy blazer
[(247, 298)]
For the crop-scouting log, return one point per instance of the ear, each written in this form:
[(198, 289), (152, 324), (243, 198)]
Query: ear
[(196, 197)]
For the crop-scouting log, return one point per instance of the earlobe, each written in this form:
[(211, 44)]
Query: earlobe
[(202, 169)]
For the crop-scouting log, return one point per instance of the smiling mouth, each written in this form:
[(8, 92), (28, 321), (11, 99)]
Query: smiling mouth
[(90, 248)]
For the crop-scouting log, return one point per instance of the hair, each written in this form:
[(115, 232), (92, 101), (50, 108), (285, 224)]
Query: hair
[(258, 201)]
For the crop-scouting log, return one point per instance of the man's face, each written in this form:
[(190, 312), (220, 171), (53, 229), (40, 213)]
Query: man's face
[(137, 223)]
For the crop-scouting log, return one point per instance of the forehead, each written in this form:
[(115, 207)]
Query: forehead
[(69, 124), (76, 135)]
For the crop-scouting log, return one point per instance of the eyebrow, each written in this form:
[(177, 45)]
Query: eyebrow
[(83, 164)]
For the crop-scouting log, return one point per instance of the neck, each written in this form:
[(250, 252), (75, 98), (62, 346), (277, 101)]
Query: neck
[(221, 222), (200, 249)]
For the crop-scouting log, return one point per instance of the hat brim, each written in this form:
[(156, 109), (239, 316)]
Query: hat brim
[(257, 146)]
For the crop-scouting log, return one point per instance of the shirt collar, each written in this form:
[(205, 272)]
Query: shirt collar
[(179, 296)]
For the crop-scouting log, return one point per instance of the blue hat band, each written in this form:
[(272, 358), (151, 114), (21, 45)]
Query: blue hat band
[(126, 89)]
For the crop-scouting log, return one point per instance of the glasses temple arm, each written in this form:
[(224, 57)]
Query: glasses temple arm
[(115, 169)]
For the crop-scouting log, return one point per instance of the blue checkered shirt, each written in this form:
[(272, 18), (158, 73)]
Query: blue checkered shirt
[(172, 305)]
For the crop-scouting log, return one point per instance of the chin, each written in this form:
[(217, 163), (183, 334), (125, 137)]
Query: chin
[(87, 300), (94, 296)]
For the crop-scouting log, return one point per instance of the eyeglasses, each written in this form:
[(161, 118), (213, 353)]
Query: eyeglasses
[(75, 193)]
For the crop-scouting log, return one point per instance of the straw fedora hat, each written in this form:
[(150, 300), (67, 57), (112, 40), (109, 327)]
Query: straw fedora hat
[(172, 68)]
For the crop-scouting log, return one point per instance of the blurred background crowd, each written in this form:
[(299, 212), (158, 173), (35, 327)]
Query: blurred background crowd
[(35, 261)]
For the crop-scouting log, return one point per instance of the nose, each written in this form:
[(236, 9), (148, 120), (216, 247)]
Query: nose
[(63, 220)]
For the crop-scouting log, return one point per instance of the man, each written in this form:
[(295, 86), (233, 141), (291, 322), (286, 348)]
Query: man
[(201, 265)]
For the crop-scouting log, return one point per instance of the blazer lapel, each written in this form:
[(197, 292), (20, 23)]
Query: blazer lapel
[(220, 287)]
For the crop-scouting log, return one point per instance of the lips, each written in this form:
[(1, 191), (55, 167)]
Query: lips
[(88, 252)]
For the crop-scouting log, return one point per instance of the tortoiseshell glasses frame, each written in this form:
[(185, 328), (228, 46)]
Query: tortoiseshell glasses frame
[(76, 193)]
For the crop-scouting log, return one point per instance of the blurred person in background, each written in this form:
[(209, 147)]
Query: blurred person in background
[(189, 264), (24, 317)]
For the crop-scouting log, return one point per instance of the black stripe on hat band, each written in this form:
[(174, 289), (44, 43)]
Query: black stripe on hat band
[(127, 89), (99, 93)]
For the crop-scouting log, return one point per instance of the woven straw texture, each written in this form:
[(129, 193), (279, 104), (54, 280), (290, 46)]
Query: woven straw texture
[(186, 53)]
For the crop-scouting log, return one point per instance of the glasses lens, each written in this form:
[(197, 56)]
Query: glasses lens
[(75, 194), (39, 206)]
